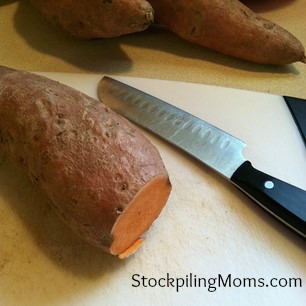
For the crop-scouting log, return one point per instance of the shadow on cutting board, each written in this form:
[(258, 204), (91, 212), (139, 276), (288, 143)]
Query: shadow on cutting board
[(260, 6), (24, 208), (42, 262), (6, 2)]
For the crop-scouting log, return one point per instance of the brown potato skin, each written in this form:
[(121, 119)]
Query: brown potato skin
[(97, 18), (89, 161), (231, 28)]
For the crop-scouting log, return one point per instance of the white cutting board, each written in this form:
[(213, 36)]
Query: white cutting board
[(208, 228)]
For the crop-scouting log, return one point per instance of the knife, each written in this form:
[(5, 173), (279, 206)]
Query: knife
[(297, 108), (210, 145)]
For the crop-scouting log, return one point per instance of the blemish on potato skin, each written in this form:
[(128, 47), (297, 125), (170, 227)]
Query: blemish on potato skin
[(119, 210), (269, 25), (245, 13), (45, 158), (193, 30), (44, 107), (118, 177), (124, 186)]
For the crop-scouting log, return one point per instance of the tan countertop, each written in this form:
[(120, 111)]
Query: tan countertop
[(31, 44)]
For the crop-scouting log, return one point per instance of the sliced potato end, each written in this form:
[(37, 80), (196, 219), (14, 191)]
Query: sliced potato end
[(138, 216)]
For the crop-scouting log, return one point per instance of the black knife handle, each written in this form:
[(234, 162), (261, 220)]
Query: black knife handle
[(284, 201)]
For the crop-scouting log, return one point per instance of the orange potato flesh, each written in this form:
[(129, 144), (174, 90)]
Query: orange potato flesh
[(132, 249), (140, 214)]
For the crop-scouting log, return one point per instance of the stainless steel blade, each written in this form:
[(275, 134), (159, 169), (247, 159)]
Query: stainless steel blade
[(210, 145)]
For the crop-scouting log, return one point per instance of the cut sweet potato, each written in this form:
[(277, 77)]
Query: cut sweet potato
[(101, 175), (231, 28)]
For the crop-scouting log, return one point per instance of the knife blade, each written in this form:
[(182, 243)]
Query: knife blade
[(210, 145)]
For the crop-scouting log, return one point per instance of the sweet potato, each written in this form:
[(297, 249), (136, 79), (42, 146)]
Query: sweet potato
[(229, 27), (97, 18), (100, 174)]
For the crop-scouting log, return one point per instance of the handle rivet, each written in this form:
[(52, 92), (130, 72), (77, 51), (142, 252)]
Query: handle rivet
[(269, 184)]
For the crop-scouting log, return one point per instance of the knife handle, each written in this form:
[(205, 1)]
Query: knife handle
[(284, 201)]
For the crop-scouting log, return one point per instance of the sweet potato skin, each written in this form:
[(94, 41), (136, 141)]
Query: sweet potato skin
[(231, 28), (96, 18), (89, 161)]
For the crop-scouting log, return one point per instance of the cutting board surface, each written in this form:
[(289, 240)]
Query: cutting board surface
[(208, 229)]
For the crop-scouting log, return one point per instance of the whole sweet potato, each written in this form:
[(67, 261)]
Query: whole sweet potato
[(229, 27), (97, 18), (101, 175)]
